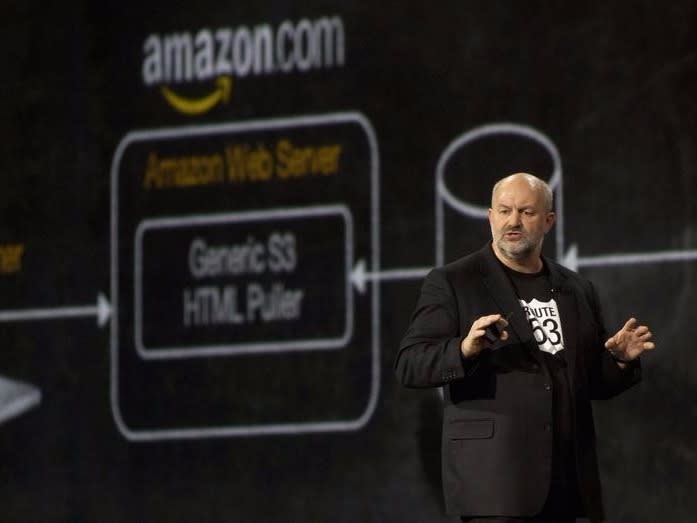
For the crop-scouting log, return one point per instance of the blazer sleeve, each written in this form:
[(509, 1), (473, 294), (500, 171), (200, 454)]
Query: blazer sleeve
[(429, 354), (607, 378)]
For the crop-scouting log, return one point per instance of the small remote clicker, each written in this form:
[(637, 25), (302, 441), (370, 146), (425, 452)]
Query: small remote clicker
[(493, 332)]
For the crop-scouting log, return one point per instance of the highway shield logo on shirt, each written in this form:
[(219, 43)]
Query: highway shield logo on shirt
[(546, 324)]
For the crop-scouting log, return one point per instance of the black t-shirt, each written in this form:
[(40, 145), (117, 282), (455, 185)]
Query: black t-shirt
[(537, 300)]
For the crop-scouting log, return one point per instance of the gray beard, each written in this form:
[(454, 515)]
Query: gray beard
[(521, 253)]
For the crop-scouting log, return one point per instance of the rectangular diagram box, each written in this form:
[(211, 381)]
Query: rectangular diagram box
[(242, 283), (235, 311)]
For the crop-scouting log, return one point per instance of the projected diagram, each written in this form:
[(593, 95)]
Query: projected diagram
[(228, 318)]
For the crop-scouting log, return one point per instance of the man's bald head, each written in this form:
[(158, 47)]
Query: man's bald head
[(535, 183)]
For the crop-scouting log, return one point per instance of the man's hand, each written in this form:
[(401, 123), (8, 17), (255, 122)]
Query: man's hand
[(630, 341), (476, 341)]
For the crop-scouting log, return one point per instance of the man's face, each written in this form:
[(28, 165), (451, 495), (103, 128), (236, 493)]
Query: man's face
[(519, 220)]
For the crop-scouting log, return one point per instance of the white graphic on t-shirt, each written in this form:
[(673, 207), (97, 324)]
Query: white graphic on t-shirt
[(546, 324)]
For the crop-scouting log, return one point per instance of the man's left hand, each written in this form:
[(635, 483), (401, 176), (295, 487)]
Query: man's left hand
[(630, 341)]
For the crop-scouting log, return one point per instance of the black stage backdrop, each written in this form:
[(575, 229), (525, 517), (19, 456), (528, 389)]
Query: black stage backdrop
[(216, 217)]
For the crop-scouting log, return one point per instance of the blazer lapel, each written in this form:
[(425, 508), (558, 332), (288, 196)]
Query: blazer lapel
[(568, 312), (503, 294)]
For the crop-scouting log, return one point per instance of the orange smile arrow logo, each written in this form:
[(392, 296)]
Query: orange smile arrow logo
[(221, 94)]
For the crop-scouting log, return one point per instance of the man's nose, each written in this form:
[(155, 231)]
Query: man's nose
[(515, 218)]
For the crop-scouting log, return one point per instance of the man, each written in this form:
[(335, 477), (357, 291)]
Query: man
[(517, 341)]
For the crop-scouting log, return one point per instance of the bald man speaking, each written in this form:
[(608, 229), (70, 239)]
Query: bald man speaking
[(519, 345)]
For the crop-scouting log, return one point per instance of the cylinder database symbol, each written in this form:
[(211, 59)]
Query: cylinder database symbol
[(468, 169)]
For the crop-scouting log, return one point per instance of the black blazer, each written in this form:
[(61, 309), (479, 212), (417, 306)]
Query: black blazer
[(497, 420)]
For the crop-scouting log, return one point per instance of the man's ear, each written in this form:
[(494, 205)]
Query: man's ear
[(549, 220)]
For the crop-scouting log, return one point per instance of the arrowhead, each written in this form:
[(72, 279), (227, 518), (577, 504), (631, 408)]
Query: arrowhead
[(17, 397), (103, 309), (570, 259), (358, 276)]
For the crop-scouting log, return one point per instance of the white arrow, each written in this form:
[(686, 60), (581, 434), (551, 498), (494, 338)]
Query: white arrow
[(359, 276), (573, 261), (102, 310), (570, 259), (17, 397)]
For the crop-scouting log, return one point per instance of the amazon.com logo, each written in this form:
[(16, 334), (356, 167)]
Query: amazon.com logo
[(216, 58)]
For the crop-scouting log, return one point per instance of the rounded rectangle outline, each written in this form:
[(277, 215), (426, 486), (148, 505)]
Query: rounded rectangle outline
[(281, 428), (234, 349)]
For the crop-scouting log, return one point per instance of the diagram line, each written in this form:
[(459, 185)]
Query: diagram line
[(637, 258), (101, 311), (398, 274), (48, 314), (360, 276)]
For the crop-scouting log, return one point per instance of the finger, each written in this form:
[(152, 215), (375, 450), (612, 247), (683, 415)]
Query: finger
[(631, 322), (478, 333), (645, 336), (485, 321), (649, 345), (479, 337), (641, 330), (480, 323), (489, 320), (504, 335), (611, 343)]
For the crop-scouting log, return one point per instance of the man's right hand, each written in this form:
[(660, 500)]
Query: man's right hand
[(476, 341)]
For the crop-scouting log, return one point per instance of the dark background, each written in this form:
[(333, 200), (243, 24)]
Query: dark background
[(613, 84)]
